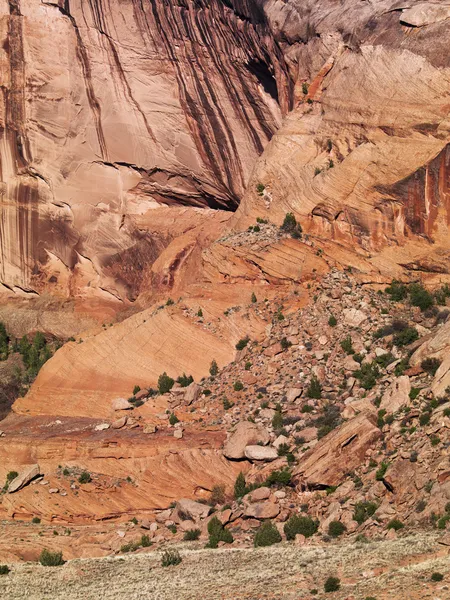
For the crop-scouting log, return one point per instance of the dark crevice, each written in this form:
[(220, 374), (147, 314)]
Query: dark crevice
[(265, 77)]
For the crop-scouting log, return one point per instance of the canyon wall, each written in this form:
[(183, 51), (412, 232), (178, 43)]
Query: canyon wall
[(112, 109), (363, 158)]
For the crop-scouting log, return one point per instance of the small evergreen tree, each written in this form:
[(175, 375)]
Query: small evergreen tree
[(213, 369), (165, 383), (315, 389)]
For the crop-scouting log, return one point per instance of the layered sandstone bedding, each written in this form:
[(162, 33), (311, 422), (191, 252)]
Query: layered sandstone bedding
[(150, 154)]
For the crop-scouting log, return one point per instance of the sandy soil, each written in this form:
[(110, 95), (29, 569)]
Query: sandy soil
[(385, 570)]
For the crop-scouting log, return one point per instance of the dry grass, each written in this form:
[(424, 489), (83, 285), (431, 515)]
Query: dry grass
[(391, 570)]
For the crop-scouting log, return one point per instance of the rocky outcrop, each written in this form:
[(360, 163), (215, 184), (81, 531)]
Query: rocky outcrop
[(245, 434), (23, 478), (362, 160), (339, 453)]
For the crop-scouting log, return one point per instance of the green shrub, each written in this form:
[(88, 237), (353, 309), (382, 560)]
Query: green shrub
[(298, 524), (36, 520), (146, 541), (332, 321), (364, 510), (285, 344), (136, 389), (283, 449), (282, 477), (227, 404), (367, 375), (430, 365), (200, 313), (170, 558), (437, 577), (130, 546), (238, 386), (191, 535), (406, 337), (291, 226), (267, 534), (213, 369), (242, 343), (218, 533), (332, 584), (414, 393), (384, 360), (173, 419), (217, 495), (4, 569), (314, 389), (420, 297), (395, 524), (240, 488), (397, 291), (185, 380), (381, 472), (165, 383), (254, 299), (85, 477), (336, 528), (277, 421), (346, 345), (401, 367), (51, 559), (424, 418), (260, 187)]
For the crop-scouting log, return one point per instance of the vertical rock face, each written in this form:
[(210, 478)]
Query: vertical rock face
[(111, 108)]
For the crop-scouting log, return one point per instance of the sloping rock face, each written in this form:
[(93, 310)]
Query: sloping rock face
[(110, 109), (340, 452), (363, 159)]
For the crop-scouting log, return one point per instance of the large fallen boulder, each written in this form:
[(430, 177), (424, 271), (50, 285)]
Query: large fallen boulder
[(245, 434), (263, 453), (23, 478), (262, 510), (189, 509), (192, 393), (338, 453)]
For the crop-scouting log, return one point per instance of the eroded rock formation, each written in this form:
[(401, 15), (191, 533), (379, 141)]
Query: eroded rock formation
[(110, 110)]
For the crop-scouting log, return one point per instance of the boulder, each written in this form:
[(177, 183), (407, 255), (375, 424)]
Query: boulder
[(281, 439), (262, 510), (150, 428), (349, 364), (341, 451), (292, 394), (245, 434), (121, 404), (425, 13), (308, 434), (263, 453), (119, 423), (102, 427), (353, 317), (163, 515), (23, 478), (262, 493), (191, 509), (192, 393), (397, 395)]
